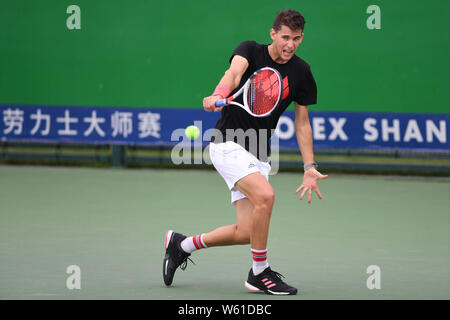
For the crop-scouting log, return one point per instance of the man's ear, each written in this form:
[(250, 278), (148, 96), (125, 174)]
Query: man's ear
[(272, 33)]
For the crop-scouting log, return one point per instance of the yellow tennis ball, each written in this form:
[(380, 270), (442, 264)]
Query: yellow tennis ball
[(192, 132)]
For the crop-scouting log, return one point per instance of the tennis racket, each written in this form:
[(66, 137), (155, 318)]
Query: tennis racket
[(261, 93)]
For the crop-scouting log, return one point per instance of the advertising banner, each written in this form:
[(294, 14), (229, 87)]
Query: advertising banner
[(162, 126)]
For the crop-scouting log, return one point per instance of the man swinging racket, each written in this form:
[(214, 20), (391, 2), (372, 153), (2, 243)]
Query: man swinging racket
[(271, 77)]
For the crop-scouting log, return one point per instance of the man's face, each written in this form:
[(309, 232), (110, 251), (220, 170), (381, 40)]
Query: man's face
[(286, 42)]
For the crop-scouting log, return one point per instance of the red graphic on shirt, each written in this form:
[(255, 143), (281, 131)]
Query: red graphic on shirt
[(285, 92)]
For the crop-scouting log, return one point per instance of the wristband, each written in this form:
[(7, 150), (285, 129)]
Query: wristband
[(309, 165), (222, 90)]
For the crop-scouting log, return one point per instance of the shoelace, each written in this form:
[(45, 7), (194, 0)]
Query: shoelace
[(184, 263), (277, 275)]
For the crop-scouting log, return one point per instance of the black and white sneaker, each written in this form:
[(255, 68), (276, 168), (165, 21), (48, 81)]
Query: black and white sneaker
[(175, 256), (268, 282)]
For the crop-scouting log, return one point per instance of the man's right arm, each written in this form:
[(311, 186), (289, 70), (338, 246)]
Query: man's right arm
[(229, 82)]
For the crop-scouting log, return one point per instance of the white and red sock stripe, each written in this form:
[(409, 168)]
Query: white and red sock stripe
[(259, 255), (191, 244), (198, 241), (259, 261)]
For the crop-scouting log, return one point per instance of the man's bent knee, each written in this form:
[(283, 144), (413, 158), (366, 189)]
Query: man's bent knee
[(241, 236), (265, 200)]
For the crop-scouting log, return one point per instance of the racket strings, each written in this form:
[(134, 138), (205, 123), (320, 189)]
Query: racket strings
[(264, 92)]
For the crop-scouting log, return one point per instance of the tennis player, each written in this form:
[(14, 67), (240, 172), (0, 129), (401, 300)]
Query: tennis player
[(244, 166)]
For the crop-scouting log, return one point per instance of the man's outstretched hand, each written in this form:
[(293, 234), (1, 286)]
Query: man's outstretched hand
[(309, 183)]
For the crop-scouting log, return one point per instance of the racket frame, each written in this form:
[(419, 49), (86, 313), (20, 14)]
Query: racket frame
[(244, 90)]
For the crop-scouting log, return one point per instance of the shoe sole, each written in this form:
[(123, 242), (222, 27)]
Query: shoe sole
[(252, 288)]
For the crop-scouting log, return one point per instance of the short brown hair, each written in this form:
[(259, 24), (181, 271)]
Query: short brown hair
[(289, 18)]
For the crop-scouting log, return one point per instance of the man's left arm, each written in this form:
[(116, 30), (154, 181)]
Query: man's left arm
[(303, 131)]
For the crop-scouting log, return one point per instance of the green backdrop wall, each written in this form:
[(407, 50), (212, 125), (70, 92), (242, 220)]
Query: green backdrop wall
[(145, 53)]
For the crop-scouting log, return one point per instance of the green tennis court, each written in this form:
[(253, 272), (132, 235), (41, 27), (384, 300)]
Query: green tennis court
[(111, 223)]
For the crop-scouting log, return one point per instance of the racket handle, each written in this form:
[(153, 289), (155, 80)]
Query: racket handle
[(221, 102)]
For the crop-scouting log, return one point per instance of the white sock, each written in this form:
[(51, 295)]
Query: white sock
[(191, 244), (260, 262)]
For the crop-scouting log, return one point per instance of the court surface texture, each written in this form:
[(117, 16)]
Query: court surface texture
[(111, 224)]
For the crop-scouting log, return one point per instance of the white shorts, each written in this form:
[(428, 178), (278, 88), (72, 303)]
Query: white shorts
[(233, 163)]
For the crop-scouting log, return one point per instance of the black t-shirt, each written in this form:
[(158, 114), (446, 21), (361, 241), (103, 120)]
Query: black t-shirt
[(298, 85)]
